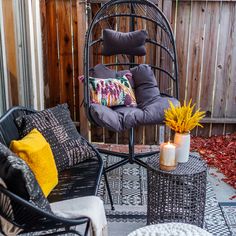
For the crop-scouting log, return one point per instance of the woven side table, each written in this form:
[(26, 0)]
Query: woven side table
[(179, 195)]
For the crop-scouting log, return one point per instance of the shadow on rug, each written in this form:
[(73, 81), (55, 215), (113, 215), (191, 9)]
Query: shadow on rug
[(129, 190)]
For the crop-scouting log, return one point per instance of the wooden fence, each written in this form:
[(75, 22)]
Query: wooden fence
[(206, 44)]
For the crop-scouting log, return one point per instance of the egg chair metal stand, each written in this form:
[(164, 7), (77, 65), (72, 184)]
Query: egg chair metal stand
[(162, 40)]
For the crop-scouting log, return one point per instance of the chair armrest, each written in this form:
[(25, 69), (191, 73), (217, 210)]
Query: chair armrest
[(30, 218)]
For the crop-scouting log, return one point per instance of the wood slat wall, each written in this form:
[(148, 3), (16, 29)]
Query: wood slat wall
[(206, 45), (205, 38)]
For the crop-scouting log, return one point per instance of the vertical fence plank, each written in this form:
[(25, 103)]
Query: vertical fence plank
[(230, 110), (182, 43), (221, 70), (196, 50), (81, 19), (44, 23), (64, 21), (209, 61), (75, 61), (96, 132), (52, 94)]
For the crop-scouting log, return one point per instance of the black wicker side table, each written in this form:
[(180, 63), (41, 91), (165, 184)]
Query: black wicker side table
[(179, 195)]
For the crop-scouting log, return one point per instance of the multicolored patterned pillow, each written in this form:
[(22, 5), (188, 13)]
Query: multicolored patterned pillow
[(112, 92)]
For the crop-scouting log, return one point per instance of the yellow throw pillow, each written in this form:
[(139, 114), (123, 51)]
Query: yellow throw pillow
[(36, 152)]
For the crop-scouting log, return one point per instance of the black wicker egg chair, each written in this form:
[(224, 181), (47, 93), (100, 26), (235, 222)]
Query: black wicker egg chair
[(161, 58)]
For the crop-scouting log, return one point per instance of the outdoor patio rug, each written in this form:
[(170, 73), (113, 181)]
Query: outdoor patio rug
[(229, 211), (129, 189)]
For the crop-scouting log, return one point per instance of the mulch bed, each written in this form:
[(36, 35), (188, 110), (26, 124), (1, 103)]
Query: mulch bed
[(219, 152)]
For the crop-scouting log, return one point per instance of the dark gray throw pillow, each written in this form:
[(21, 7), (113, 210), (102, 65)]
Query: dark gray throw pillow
[(131, 43), (68, 146), (20, 180), (145, 85), (101, 71)]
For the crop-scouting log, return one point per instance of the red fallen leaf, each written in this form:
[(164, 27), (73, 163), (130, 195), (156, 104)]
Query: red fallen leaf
[(231, 143), (218, 140), (202, 152), (233, 197)]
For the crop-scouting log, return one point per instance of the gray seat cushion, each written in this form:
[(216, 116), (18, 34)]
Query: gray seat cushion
[(150, 109), (122, 118)]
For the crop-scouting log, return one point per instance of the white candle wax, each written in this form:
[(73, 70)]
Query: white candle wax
[(167, 155)]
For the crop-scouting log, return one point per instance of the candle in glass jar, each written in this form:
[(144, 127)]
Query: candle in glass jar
[(167, 156)]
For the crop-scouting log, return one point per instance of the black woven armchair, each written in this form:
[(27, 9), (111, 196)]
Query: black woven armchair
[(26, 216), (77, 181)]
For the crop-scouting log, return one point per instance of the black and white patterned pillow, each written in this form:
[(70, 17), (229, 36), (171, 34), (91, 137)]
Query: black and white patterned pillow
[(68, 146), (20, 180)]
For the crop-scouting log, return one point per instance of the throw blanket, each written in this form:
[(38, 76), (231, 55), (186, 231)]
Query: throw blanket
[(7, 228), (91, 207)]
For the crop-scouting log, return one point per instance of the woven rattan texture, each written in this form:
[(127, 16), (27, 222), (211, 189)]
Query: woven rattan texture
[(179, 195)]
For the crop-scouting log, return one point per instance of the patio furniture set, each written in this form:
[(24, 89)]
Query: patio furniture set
[(177, 196)]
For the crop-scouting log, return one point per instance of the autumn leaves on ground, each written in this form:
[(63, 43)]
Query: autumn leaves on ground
[(219, 152)]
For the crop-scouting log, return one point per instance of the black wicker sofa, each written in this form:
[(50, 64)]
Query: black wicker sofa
[(78, 181)]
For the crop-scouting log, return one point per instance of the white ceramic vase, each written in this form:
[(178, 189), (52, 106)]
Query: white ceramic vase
[(182, 142)]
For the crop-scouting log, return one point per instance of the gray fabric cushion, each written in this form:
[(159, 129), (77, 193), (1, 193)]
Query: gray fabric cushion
[(145, 85), (20, 180), (131, 43), (122, 118), (106, 117), (55, 124), (101, 71)]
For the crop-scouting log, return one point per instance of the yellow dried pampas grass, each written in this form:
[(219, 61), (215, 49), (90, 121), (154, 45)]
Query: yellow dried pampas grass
[(182, 119)]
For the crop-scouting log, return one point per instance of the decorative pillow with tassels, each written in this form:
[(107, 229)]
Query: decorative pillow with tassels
[(112, 92)]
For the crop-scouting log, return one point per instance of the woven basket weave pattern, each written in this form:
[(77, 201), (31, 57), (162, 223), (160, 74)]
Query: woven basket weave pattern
[(179, 195)]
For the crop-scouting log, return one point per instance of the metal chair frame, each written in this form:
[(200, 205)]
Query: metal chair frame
[(152, 14)]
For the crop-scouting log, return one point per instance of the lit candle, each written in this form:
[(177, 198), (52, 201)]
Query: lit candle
[(167, 156)]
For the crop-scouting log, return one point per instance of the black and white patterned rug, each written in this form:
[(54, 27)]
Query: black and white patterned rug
[(229, 212), (129, 189)]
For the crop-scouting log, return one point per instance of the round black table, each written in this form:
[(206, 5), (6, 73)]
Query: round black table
[(178, 195)]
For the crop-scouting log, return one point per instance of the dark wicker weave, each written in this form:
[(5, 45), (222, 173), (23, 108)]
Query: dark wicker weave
[(79, 181), (179, 195)]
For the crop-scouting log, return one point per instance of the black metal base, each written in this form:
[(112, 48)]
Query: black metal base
[(130, 157)]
